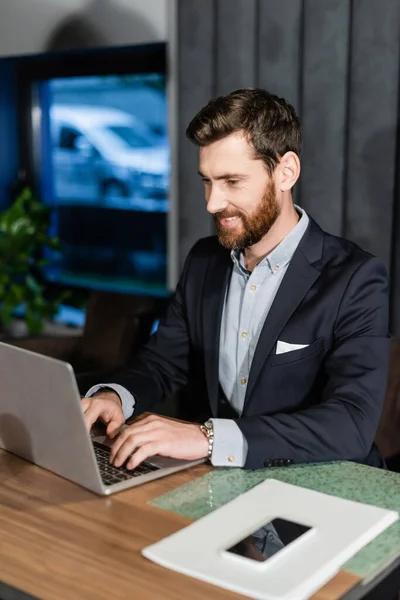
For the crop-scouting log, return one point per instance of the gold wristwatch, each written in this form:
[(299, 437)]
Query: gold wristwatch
[(208, 429)]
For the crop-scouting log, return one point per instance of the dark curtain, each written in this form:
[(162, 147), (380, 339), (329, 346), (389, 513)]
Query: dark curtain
[(337, 62)]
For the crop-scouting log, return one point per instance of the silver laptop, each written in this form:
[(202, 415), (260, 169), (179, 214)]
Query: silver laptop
[(41, 420)]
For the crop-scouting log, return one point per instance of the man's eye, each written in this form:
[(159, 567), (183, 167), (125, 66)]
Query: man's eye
[(206, 181), (233, 181)]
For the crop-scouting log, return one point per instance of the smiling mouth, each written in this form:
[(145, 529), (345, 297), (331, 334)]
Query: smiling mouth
[(227, 222)]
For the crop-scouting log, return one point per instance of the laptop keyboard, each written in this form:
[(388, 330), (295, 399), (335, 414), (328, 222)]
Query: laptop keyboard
[(110, 474)]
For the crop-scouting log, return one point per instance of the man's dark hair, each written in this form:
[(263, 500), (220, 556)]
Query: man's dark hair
[(269, 123)]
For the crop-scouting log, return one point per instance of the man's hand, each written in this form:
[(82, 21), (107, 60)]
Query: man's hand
[(158, 435), (106, 406)]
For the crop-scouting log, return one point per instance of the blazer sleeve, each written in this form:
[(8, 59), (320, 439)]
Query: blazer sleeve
[(342, 423), (161, 368)]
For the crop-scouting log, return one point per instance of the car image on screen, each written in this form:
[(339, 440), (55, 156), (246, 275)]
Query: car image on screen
[(106, 156)]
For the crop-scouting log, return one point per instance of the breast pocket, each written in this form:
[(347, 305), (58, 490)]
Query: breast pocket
[(297, 355)]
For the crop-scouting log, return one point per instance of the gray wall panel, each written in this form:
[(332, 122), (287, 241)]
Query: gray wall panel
[(324, 107), (237, 43), (279, 47), (196, 81), (372, 124)]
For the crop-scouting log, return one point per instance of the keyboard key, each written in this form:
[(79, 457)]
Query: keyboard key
[(111, 474)]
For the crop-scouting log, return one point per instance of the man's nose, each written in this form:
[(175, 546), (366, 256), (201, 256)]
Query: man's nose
[(216, 201)]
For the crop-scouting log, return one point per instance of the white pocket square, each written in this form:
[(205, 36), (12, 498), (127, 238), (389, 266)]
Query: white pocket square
[(282, 347)]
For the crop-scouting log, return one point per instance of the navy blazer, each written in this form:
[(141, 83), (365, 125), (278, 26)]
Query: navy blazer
[(318, 403)]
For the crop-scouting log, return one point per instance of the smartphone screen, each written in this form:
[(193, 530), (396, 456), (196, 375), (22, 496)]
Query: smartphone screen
[(269, 539)]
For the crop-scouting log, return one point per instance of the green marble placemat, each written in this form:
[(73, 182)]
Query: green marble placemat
[(343, 479)]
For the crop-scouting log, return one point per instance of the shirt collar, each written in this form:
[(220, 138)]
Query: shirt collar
[(282, 254), (238, 260)]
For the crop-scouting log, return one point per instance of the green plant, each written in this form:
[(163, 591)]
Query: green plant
[(23, 240)]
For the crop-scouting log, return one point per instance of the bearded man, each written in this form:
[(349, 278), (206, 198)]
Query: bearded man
[(279, 329)]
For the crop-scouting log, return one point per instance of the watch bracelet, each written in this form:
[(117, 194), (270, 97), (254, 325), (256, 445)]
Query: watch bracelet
[(209, 433)]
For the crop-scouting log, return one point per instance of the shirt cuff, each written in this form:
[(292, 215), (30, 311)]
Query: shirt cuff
[(127, 400), (230, 446)]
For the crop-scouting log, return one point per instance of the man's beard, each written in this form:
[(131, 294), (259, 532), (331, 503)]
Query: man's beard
[(251, 229)]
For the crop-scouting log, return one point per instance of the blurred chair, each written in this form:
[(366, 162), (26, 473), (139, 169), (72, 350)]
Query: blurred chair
[(388, 435), (116, 326)]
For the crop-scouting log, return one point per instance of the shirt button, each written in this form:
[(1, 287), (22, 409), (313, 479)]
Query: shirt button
[(276, 267), (253, 288), (244, 333), (243, 381), (231, 458)]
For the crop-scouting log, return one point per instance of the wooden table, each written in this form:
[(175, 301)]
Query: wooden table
[(59, 541)]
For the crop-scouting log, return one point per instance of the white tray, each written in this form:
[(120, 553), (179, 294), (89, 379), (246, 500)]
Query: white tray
[(339, 529)]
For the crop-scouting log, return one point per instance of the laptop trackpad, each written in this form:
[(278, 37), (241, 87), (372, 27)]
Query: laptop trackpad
[(166, 461)]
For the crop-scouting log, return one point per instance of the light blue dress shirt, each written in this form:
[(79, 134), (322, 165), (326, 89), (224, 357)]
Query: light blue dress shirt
[(247, 303)]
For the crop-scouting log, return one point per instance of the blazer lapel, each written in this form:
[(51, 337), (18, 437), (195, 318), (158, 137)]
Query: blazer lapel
[(299, 277), (218, 276)]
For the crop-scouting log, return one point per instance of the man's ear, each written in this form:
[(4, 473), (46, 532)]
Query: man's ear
[(288, 171)]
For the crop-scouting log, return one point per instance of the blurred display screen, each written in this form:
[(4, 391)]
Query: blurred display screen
[(104, 170)]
